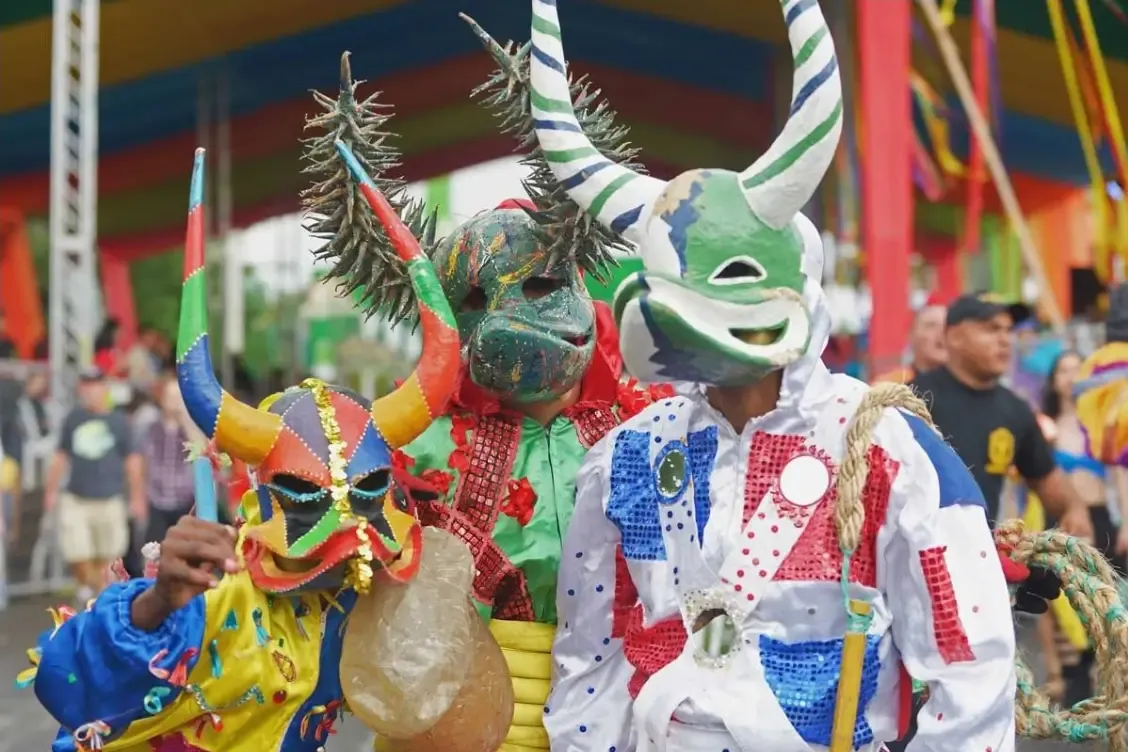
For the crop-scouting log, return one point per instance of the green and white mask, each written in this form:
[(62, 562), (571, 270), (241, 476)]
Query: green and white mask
[(720, 300)]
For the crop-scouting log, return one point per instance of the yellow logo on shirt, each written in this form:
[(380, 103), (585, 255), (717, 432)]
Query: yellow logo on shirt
[(1000, 451)]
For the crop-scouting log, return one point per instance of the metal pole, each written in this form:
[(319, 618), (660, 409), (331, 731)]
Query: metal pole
[(73, 197), (232, 260)]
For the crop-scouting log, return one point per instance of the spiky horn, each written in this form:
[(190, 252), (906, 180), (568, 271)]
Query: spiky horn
[(405, 413), (618, 197), (238, 429), (785, 177)]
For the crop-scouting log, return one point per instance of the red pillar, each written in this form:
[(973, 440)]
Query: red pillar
[(883, 46), (117, 292)]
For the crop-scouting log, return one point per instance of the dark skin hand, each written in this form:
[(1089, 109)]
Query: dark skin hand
[(194, 555)]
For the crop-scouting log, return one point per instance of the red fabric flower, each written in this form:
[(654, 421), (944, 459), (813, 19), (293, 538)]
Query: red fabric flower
[(633, 398), (520, 500), (460, 425), (402, 462), (437, 478)]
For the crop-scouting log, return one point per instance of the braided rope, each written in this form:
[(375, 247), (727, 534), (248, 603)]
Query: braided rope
[(1088, 581), (850, 512), (1092, 587)]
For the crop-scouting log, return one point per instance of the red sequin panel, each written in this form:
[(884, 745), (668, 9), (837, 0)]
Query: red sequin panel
[(496, 581), (650, 649), (592, 424), (816, 556), (766, 457), (626, 595), (482, 486), (951, 638)]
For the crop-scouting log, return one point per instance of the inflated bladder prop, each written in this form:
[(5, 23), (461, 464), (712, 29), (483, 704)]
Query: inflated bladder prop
[(419, 666)]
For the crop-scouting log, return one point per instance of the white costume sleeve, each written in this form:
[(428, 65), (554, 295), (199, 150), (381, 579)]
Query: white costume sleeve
[(952, 619), (589, 708)]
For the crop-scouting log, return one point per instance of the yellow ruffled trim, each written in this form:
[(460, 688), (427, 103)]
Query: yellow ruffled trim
[(527, 647)]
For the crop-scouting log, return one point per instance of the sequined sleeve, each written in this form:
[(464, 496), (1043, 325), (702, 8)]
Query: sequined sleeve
[(98, 673), (590, 707), (952, 621)]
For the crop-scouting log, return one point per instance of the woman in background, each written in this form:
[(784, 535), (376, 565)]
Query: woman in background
[(168, 475), (1069, 665)]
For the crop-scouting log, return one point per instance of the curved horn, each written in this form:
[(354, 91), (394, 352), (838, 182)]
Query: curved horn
[(781, 181), (406, 412), (238, 429), (616, 196)]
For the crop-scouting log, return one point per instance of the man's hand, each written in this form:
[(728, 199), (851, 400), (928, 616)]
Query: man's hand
[(1076, 522), (1122, 540), (1035, 593), (50, 500), (194, 555)]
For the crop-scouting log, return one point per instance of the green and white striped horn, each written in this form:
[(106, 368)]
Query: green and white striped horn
[(781, 181), (617, 197)]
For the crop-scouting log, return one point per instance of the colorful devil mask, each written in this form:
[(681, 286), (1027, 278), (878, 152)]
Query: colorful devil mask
[(719, 301), (328, 512), (512, 275), (527, 329)]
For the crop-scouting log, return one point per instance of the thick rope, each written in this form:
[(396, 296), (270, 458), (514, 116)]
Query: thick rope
[(1088, 581), (1092, 587)]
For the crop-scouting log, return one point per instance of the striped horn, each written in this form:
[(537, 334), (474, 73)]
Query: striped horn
[(406, 412), (616, 196), (239, 430), (781, 181)]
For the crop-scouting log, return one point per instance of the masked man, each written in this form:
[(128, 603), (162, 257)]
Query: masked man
[(251, 661), (720, 581), (540, 373)]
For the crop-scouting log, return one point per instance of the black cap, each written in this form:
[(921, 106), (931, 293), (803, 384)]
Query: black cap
[(91, 375), (984, 307)]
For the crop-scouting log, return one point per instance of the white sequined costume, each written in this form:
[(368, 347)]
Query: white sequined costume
[(748, 526)]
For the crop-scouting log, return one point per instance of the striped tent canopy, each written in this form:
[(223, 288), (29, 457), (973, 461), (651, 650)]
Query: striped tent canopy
[(661, 76)]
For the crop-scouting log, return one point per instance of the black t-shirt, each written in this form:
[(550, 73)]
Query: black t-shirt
[(990, 429)]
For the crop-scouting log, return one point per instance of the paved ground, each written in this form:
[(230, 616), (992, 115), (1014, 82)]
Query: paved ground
[(24, 727)]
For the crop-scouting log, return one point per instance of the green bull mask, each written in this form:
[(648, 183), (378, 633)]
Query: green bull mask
[(528, 329)]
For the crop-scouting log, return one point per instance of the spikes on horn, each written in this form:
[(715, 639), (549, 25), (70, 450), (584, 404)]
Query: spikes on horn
[(238, 429), (405, 413), (618, 197), (361, 255), (568, 234), (781, 181)]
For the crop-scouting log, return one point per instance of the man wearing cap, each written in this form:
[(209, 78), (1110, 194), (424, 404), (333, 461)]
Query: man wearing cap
[(989, 426), (98, 462)]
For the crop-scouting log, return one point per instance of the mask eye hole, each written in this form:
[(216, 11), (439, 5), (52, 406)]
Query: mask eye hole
[(374, 484), (290, 489), (739, 271), (475, 300), (538, 287)]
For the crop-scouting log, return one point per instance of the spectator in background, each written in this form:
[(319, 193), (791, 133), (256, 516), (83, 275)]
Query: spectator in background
[(7, 347), (168, 475), (107, 352), (96, 451), (143, 364), (926, 344)]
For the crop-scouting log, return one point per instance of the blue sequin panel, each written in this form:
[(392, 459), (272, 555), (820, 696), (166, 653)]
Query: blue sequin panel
[(633, 504), (804, 678)]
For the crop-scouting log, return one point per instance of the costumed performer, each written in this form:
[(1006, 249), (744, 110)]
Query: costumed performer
[(1101, 390), (751, 563), (236, 644), (540, 372)]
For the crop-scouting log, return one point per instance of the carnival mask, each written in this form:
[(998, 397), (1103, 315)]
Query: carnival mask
[(328, 512), (528, 329), (720, 298)]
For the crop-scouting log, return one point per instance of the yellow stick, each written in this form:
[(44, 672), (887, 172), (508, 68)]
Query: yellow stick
[(849, 685), (951, 54), (1085, 134)]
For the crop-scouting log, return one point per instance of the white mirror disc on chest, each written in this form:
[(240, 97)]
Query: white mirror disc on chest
[(804, 480)]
